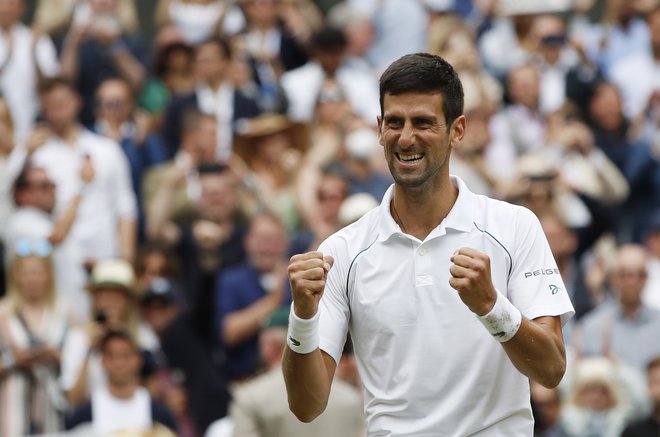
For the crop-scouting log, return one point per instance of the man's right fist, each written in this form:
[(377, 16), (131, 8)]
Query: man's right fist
[(307, 274)]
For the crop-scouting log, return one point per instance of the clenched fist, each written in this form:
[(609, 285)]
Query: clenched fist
[(470, 276), (307, 274)]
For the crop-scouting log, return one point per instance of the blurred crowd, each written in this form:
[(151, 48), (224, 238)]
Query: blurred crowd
[(153, 187)]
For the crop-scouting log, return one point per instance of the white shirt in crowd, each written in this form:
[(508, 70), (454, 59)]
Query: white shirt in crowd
[(20, 61), (303, 84), (110, 414), (429, 367)]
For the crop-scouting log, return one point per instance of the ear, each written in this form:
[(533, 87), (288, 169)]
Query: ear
[(457, 131), (379, 121)]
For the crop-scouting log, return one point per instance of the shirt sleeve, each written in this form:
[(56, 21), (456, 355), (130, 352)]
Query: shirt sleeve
[(46, 57), (334, 309), (535, 285)]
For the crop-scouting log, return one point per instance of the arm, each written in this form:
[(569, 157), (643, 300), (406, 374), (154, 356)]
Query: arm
[(127, 237), (63, 225), (308, 377), (127, 65), (158, 194), (70, 59), (537, 348)]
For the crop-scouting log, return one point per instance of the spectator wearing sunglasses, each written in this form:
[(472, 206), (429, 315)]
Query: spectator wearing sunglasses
[(35, 328), (35, 198)]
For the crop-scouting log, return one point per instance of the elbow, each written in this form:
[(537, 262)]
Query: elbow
[(304, 413), (554, 374)]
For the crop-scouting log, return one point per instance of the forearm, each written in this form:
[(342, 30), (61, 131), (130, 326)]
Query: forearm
[(158, 212), (63, 225), (241, 325), (308, 378), (70, 60), (129, 67), (127, 238), (537, 350)]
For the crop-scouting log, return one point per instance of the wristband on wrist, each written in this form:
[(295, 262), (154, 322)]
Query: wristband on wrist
[(303, 334), (503, 320)]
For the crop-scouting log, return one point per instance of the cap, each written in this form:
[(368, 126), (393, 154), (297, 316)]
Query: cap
[(355, 206), (112, 273), (160, 288), (362, 143), (278, 319)]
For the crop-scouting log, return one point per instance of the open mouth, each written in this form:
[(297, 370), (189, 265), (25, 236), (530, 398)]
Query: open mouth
[(409, 157)]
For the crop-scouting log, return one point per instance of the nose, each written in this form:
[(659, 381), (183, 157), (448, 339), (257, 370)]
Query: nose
[(407, 136)]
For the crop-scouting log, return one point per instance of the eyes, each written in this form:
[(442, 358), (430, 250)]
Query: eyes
[(394, 122)]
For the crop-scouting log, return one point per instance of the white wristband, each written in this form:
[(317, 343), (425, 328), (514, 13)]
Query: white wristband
[(303, 334), (503, 320)]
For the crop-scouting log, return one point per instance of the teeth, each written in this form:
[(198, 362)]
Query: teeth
[(410, 156)]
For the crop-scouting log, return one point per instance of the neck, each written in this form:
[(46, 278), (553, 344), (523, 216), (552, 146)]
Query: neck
[(420, 210), (656, 53), (216, 83), (630, 310), (68, 132), (123, 391)]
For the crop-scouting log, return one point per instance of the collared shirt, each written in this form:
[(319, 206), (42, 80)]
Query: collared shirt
[(221, 104), (108, 198), (429, 367), (633, 340)]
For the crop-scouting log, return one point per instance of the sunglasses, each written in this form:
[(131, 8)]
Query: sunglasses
[(26, 247)]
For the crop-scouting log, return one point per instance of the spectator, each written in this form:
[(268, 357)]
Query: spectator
[(177, 180), (271, 153), (210, 243), (171, 76), (215, 94), (35, 329), (118, 120), (105, 223), (546, 407), (518, 127), (6, 205), (55, 16), (260, 407), (97, 47), (602, 398), (274, 45), (650, 426), (187, 380), (34, 194), (623, 328), (114, 307), (197, 21), (359, 30), (248, 293), (27, 56), (122, 405), (303, 85)]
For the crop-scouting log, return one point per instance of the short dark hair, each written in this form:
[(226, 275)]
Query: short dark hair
[(48, 84), (219, 41), (424, 73), (117, 334), (328, 39)]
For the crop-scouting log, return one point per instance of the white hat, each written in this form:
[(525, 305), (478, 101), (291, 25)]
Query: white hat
[(354, 207), (362, 143), (112, 273)]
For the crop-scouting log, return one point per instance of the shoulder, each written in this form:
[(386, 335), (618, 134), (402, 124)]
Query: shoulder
[(78, 416), (353, 239), (236, 274), (161, 414)]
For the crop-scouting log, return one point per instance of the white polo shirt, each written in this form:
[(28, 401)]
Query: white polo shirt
[(429, 367)]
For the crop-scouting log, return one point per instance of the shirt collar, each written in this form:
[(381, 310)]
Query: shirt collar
[(461, 217)]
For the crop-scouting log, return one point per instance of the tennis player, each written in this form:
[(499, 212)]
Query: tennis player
[(453, 300)]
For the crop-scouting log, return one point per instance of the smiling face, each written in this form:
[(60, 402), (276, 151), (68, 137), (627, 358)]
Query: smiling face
[(416, 138)]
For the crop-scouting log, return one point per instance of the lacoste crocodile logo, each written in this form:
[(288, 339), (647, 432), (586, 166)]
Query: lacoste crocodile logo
[(294, 341)]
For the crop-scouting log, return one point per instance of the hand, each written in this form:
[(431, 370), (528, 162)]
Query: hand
[(37, 138), (209, 235), (87, 171), (307, 274), (470, 271)]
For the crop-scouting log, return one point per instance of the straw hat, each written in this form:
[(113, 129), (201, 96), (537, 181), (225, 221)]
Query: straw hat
[(113, 273)]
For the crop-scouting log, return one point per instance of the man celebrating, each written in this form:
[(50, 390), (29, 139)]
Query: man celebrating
[(453, 300)]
